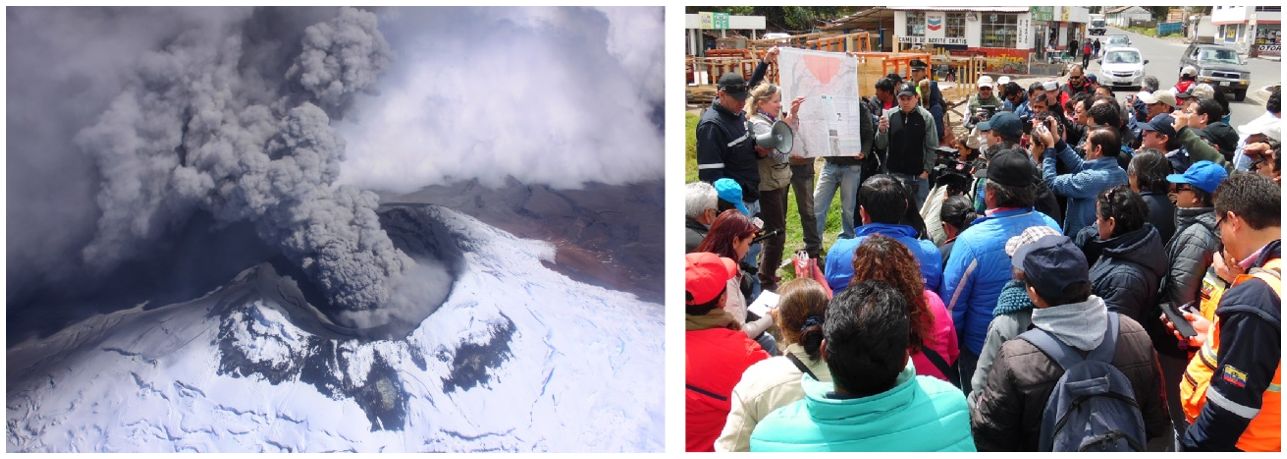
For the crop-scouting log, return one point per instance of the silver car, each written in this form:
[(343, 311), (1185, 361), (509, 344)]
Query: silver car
[(1122, 67)]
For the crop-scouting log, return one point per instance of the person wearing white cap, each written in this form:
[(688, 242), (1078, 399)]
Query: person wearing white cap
[(1158, 102), (986, 94), (1188, 78), (1272, 115)]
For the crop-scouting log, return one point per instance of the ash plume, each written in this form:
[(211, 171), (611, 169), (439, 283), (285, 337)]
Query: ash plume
[(204, 124)]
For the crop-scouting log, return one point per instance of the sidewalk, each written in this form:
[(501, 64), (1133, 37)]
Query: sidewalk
[(1260, 96)]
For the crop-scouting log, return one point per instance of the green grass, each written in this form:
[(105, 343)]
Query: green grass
[(1146, 31), (794, 232)]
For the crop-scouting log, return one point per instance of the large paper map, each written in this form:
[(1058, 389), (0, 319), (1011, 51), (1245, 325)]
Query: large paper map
[(829, 115)]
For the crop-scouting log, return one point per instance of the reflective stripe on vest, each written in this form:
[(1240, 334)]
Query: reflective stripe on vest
[(1264, 432)]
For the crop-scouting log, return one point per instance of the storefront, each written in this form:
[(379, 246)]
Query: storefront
[(1008, 37), (1252, 30), (1058, 28), (1268, 40)]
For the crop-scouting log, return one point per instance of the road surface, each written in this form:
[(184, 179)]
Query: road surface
[(1164, 63)]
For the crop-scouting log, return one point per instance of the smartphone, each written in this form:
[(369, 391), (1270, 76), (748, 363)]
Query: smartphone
[(1181, 324)]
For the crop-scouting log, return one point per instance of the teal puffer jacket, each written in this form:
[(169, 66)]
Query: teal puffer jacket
[(919, 413)]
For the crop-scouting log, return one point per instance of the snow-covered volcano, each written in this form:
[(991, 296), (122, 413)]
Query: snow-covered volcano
[(518, 358)]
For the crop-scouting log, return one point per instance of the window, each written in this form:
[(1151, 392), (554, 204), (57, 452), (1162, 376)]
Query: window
[(1221, 55), (955, 25), (1000, 30), (1269, 8), (1122, 57), (916, 23)]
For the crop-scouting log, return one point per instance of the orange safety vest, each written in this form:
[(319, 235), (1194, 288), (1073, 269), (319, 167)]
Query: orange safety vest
[(1263, 433), (1209, 294)]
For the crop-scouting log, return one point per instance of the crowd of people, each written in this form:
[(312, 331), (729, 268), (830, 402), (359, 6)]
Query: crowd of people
[(1066, 253)]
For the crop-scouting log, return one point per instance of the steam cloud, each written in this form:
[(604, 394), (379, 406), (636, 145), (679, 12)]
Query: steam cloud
[(556, 96), (197, 128)]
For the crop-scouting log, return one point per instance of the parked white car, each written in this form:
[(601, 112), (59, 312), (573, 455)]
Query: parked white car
[(1122, 67)]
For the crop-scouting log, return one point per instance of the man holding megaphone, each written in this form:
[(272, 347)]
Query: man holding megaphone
[(773, 140)]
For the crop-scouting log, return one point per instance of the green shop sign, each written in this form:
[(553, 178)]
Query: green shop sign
[(1042, 13)]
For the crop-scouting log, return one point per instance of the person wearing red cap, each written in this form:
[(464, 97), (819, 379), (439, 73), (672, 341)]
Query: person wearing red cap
[(716, 350)]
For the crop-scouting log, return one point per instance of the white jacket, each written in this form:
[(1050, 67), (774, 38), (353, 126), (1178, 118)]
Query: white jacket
[(765, 386)]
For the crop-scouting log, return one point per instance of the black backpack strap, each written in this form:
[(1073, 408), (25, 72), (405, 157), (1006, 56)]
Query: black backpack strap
[(800, 365), (953, 374), (706, 392)]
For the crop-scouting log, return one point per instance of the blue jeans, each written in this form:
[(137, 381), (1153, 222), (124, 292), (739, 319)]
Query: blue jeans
[(846, 178), (919, 187)]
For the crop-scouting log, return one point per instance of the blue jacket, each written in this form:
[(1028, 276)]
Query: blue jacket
[(840, 257), (1082, 186), (920, 413), (978, 268)]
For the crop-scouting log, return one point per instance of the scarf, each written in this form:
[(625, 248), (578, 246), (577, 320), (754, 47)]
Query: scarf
[(1013, 298)]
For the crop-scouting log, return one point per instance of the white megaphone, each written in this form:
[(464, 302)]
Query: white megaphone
[(778, 138)]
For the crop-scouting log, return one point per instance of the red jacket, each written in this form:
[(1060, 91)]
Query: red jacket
[(716, 358)]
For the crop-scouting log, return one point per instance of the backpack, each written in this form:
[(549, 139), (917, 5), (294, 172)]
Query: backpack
[(1092, 407)]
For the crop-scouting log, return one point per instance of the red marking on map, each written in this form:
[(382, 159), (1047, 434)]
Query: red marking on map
[(822, 68)]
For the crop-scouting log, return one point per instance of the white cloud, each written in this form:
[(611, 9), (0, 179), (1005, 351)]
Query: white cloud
[(554, 96)]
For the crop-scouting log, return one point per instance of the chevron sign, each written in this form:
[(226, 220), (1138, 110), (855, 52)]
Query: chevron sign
[(934, 23)]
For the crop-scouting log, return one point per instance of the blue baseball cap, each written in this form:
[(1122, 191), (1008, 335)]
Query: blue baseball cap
[(730, 191), (1006, 125), (1052, 264), (1205, 175)]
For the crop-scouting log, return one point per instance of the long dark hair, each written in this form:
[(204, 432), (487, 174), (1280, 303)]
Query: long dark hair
[(1150, 169)]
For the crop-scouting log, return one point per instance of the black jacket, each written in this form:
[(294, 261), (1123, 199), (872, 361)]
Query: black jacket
[(725, 147), (1161, 213), (1250, 319), (1128, 272), (694, 232), (1189, 254)]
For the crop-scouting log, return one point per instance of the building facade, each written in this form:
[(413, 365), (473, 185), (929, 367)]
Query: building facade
[(1125, 16), (1009, 37), (1252, 30)]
